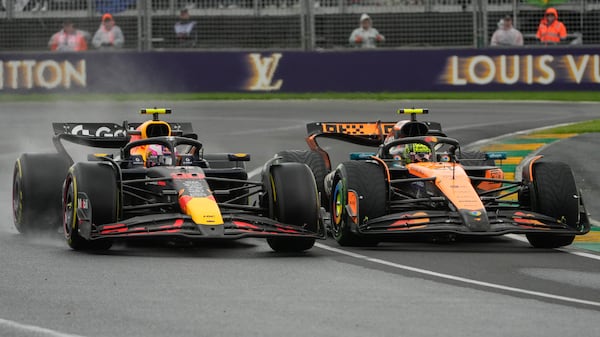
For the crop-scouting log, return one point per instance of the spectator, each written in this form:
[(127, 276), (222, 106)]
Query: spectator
[(506, 34), (108, 35), (185, 30), (551, 31), (365, 36), (69, 39)]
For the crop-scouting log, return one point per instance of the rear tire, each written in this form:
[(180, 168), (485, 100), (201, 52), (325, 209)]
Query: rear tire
[(369, 182), (554, 193), (97, 182), (36, 192), (294, 200), (314, 161)]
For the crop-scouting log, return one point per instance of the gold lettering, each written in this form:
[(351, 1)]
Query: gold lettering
[(503, 73), (27, 69), (577, 69), (454, 69), (546, 69), (77, 75), (596, 71), (13, 74), (48, 74), (263, 69), (487, 70)]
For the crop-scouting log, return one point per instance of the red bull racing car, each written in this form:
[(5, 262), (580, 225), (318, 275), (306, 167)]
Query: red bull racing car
[(160, 185), (419, 182)]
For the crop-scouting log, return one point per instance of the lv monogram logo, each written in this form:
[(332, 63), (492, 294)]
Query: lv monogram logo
[(263, 69)]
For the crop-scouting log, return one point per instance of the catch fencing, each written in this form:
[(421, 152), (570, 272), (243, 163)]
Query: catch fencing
[(26, 25)]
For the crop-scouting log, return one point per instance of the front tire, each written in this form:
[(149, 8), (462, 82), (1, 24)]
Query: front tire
[(314, 161), (36, 192), (90, 191), (554, 193), (368, 181), (294, 200)]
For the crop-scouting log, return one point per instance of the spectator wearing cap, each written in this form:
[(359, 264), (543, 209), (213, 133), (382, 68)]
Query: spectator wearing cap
[(365, 36), (506, 34), (108, 35), (185, 30), (69, 39), (550, 30)]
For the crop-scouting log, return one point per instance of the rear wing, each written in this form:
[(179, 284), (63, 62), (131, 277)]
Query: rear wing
[(105, 130), (362, 133), (107, 135)]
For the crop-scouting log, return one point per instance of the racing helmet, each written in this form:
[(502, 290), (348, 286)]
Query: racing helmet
[(157, 155), (416, 152)]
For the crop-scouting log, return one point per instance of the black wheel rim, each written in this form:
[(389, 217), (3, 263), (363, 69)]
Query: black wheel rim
[(17, 197), (68, 209)]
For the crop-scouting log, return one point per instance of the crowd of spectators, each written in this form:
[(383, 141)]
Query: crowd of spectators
[(185, 35), (108, 36)]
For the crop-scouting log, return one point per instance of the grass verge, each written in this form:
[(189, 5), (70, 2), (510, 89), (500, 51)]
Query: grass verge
[(567, 96), (582, 127)]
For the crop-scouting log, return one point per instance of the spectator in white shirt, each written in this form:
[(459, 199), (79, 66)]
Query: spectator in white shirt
[(506, 34), (366, 36)]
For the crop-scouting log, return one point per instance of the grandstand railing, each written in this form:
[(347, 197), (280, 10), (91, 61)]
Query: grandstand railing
[(291, 24)]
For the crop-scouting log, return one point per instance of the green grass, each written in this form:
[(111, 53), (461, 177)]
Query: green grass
[(583, 127), (572, 96)]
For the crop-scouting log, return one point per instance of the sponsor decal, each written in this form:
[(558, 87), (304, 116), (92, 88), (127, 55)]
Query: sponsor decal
[(82, 203), (475, 213), (102, 131), (523, 69), (263, 70), (47, 74)]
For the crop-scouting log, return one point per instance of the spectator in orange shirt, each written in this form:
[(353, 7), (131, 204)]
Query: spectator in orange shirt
[(551, 31), (69, 39)]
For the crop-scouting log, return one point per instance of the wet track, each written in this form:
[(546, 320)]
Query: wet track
[(495, 287)]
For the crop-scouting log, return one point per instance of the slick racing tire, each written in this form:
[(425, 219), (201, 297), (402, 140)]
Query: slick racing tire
[(474, 158), (314, 161), (36, 191), (368, 181), (293, 196), (554, 194), (90, 186)]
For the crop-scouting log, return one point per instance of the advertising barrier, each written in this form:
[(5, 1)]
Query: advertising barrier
[(368, 71)]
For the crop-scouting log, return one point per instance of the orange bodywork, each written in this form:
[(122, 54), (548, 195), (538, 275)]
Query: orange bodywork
[(452, 180), (494, 173)]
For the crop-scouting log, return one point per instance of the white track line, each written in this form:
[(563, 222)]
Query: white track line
[(566, 250), (254, 172), (457, 278), (32, 329)]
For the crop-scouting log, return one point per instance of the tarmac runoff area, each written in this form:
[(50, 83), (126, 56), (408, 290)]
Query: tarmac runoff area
[(572, 148)]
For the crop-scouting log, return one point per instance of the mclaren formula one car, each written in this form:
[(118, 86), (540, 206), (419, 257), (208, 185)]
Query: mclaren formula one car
[(417, 181), (160, 185)]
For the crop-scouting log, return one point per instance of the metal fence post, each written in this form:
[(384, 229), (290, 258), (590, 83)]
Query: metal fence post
[(10, 10), (148, 25), (484, 22), (90, 8), (308, 25), (140, 10)]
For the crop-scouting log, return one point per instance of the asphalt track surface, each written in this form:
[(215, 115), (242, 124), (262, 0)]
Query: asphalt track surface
[(493, 287)]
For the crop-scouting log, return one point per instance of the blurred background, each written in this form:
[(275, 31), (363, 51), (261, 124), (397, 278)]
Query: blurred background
[(26, 25)]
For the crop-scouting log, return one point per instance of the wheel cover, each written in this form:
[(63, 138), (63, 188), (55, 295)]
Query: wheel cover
[(337, 209)]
